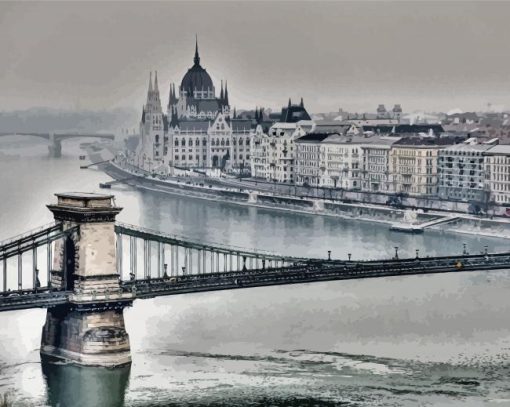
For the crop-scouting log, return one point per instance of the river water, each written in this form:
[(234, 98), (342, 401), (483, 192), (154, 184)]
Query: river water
[(404, 341)]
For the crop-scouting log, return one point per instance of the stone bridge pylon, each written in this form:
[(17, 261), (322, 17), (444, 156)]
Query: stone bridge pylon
[(89, 329)]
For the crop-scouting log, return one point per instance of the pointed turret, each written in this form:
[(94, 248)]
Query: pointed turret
[(235, 113), (156, 82), (226, 93), (221, 92), (289, 103), (302, 104), (150, 82), (196, 60)]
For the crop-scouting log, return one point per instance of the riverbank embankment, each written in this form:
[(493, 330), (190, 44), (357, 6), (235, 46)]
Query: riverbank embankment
[(211, 189)]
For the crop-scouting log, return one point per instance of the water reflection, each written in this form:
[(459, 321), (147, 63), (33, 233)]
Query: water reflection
[(77, 386)]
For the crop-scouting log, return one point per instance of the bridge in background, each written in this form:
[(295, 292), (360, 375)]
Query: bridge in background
[(85, 268), (55, 139)]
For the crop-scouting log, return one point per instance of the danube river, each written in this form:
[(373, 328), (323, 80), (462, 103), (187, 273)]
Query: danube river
[(403, 341)]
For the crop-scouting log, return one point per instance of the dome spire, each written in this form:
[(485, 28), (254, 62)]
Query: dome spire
[(197, 58)]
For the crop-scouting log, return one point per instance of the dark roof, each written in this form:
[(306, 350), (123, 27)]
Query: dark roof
[(239, 125), (437, 129), (429, 141), (293, 114), (204, 105), (194, 125), (314, 137)]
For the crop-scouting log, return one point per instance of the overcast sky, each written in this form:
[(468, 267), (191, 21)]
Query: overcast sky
[(435, 56)]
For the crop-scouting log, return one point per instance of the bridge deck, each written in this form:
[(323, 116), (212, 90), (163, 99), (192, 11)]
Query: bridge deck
[(314, 272)]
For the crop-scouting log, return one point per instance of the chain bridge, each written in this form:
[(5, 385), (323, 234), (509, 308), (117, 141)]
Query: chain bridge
[(85, 268)]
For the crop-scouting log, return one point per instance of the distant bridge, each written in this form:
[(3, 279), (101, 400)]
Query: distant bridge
[(85, 269), (55, 139)]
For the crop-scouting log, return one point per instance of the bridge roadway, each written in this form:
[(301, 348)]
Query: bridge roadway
[(302, 272), (315, 271)]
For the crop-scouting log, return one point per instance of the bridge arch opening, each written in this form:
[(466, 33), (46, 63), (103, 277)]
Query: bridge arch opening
[(70, 263)]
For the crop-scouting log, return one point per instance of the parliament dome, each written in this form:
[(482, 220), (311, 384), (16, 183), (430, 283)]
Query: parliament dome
[(196, 77)]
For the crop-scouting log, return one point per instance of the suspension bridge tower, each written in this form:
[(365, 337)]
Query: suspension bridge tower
[(89, 329)]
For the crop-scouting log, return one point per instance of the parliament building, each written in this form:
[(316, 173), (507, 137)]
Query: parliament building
[(199, 129)]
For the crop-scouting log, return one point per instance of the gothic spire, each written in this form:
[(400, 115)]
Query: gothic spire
[(150, 82), (156, 82), (289, 102), (235, 113), (226, 94), (302, 104), (197, 58), (221, 92)]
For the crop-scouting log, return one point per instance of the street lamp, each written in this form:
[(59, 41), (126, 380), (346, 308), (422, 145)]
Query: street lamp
[(417, 253), (349, 256), (464, 252), (396, 252), (329, 254)]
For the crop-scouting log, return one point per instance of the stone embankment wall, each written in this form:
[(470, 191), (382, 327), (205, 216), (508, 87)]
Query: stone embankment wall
[(211, 190)]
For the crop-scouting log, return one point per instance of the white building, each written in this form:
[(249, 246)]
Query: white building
[(376, 164), (498, 173), (274, 153)]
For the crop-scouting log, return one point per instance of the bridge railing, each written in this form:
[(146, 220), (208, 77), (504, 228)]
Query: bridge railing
[(169, 255), (20, 257)]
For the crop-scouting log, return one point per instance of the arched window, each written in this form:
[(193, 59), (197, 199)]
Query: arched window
[(222, 142), (234, 142), (228, 142), (157, 138), (240, 141), (248, 142), (204, 142), (183, 142), (197, 142), (190, 142), (176, 143)]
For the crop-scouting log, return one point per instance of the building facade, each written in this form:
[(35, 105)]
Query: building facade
[(376, 164), (308, 158), (413, 165), (274, 153), (462, 173), (497, 169)]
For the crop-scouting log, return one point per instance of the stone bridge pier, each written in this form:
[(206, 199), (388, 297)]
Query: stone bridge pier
[(55, 147), (89, 329)]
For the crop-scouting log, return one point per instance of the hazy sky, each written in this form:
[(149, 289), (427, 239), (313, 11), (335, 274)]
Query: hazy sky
[(435, 56)]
